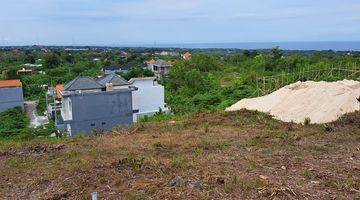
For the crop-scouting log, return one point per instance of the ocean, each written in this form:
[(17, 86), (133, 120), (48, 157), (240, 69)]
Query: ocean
[(319, 46)]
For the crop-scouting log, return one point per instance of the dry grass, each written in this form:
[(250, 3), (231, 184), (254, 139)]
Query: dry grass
[(241, 155)]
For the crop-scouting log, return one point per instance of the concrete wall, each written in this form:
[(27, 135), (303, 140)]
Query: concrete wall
[(11, 98), (148, 98), (100, 111)]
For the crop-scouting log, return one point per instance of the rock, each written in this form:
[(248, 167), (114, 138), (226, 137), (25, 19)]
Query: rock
[(283, 167), (264, 177), (195, 184), (315, 182), (220, 180), (176, 182)]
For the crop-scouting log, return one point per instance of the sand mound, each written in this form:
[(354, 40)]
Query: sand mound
[(322, 102)]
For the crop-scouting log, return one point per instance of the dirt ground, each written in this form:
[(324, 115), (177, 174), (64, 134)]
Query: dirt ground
[(240, 155)]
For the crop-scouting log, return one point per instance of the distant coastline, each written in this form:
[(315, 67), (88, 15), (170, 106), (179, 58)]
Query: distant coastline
[(291, 46), (319, 46)]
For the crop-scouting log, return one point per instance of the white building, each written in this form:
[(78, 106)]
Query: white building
[(149, 98)]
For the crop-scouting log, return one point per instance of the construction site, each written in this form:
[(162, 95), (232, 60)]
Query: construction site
[(307, 96)]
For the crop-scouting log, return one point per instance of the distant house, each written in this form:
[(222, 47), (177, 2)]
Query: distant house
[(125, 68), (111, 69), (54, 104), (167, 53), (24, 71), (123, 54), (113, 82), (148, 99), (90, 105), (159, 67), (11, 95), (31, 65), (186, 56), (58, 89)]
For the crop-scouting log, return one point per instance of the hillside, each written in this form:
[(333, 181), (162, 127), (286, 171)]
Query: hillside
[(204, 156)]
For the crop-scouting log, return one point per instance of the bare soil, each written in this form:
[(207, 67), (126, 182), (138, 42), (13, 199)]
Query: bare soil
[(237, 155)]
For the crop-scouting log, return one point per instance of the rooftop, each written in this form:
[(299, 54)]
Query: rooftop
[(187, 55), (82, 83), (10, 83), (142, 79), (114, 79), (114, 67), (162, 63), (58, 89)]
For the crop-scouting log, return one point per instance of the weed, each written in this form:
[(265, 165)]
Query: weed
[(328, 128), (131, 161), (179, 162), (308, 174), (307, 121)]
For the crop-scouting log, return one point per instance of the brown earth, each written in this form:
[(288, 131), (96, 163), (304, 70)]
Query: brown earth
[(240, 155)]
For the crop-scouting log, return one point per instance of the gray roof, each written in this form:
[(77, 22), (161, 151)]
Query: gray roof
[(82, 83), (115, 79), (162, 63)]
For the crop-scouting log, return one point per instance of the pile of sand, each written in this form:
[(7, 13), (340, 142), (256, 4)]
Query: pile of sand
[(322, 102)]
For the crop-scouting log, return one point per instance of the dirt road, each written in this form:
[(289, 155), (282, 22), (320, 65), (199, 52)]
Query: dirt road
[(35, 120)]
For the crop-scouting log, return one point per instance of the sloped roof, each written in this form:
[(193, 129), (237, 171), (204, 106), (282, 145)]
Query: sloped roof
[(187, 55), (162, 63), (82, 83), (10, 83), (115, 79), (152, 61), (58, 89), (114, 67)]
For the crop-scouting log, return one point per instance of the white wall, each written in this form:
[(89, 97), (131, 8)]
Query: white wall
[(66, 109), (148, 98)]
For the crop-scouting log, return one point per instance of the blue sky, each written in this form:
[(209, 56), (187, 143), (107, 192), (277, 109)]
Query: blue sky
[(119, 22)]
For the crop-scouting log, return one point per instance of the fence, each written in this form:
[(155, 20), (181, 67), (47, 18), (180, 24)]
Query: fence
[(268, 84)]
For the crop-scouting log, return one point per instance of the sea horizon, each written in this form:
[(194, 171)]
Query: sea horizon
[(306, 46), (294, 46)]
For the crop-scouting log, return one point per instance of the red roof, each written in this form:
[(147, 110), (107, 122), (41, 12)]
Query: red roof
[(10, 83), (58, 89), (187, 55)]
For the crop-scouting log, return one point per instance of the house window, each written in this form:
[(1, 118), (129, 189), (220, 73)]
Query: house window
[(93, 124), (155, 68), (103, 123)]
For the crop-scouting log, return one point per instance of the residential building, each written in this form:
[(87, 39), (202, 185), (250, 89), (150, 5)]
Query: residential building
[(111, 69), (11, 95), (53, 100), (148, 99), (24, 71), (159, 67), (90, 105), (125, 68), (186, 56), (31, 65), (167, 53)]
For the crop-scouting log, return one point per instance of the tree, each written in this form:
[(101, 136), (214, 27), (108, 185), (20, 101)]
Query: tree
[(194, 81), (276, 53), (205, 63), (51, 60), (70, 58), (29, 58)]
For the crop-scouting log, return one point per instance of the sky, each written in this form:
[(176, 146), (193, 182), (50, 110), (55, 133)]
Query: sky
[(123, 22)]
